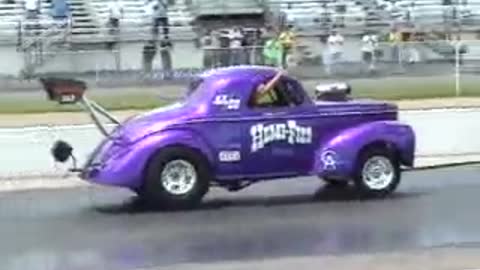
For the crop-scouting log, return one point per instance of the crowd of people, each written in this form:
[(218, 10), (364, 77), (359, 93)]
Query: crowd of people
[(269, 45), (159, 41), (59, 10), (277, 47), (241, 46), (371, 52), (156, 10)]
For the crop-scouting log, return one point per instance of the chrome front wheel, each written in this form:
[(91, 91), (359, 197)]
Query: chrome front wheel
[(378, 173), (178, 177)]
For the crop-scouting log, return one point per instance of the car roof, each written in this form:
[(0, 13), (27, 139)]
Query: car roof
[(247, 75), (244, 72)]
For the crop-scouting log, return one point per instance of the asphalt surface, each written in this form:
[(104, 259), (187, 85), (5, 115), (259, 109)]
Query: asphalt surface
[(106, 228)]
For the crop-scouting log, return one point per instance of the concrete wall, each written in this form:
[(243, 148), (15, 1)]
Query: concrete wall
[(443, 136), (184, 55), (11, 61)]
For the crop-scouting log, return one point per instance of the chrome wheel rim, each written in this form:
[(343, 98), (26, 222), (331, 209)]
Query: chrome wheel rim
[(378, 173), (178, 177)]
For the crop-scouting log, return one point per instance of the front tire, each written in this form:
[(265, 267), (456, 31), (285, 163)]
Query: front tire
[(176, 178), (377, 173)]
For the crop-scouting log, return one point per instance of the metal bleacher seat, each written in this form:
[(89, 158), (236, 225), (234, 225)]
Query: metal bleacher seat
[(226, 7), (430, 12), (11, 15), (308, 14), (136, 21)]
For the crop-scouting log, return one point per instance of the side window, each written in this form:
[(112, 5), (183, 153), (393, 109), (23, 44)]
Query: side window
[(294, 93), (283, 94)]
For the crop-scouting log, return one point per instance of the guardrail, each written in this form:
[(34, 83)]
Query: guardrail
[(444, 137), (310, 60)]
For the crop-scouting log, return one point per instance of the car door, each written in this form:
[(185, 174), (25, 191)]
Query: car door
[(279, 136)]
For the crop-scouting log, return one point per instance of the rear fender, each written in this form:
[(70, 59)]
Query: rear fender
[(338, 156)]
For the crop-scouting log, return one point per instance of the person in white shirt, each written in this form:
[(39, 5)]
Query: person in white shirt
[(158, 10), (369, 46), (236, 37), (334, 51), (32, 8), (115, 10), (410, 13), (210, 47)]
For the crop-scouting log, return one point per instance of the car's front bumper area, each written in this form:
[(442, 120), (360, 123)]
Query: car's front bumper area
[(108, 165)]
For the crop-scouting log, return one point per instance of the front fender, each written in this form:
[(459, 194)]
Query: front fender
[(339, 154), (127, 169)]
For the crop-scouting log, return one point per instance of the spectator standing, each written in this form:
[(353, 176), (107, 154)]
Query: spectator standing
[(149, 52), (369, 47), (287, 41), (158, 9), (60, 11), (210, 48), (410, 16), (462, 48), (334, 52), (395, 39), (272, 52), (115, 11), (236, 38), (166, 56), (340, 10), (223, 52), (32, 8), (258, 43), (325, 17)]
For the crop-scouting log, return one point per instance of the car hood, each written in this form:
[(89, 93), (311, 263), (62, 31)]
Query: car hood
[(356, 106), (154, 121)]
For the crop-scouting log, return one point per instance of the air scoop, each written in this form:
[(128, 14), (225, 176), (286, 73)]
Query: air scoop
[(333, 92)]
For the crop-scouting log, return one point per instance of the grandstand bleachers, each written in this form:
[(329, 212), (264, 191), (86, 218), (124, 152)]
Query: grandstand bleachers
[(12, 14), (90, 16), (89, 20), (136, 22), (225, 7)]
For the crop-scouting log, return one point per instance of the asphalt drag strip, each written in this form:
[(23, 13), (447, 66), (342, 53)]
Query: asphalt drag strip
[(106, 228)]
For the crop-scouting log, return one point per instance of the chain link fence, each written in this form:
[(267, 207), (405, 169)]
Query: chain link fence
[(427, 63)]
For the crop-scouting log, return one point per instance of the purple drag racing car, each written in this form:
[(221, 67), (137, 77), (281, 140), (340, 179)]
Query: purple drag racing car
[(241, 125)]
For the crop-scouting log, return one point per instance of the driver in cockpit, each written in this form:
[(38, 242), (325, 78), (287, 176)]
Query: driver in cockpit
[(263, 93)]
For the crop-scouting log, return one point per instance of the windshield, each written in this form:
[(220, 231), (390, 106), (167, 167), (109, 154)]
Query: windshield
[(194, 91)]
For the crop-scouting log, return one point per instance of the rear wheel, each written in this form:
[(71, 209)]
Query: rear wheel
[(176, 178), (377, 173)]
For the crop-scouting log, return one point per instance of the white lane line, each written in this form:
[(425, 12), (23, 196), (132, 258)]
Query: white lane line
[(34, 184)]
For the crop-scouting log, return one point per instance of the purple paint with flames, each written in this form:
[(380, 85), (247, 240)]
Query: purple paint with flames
[(242, 142)]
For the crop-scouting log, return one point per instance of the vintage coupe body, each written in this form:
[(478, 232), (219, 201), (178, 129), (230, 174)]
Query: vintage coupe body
[(220, 135)]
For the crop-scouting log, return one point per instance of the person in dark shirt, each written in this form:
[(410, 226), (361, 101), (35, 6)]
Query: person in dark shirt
[(60, 11), (166, 56), (149, 52)]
